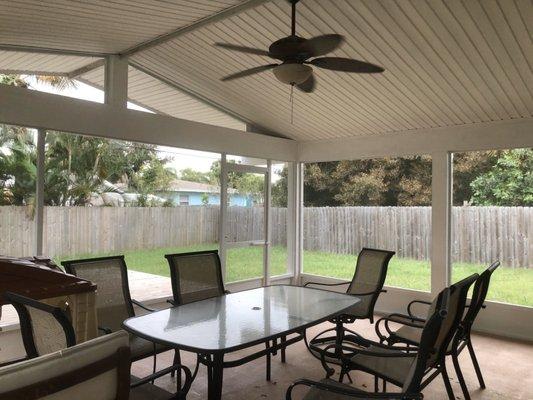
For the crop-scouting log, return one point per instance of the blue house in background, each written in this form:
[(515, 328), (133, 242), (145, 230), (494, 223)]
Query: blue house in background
[(185, 193)]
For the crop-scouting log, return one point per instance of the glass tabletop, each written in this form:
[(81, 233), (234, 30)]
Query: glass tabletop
[(241, 319)]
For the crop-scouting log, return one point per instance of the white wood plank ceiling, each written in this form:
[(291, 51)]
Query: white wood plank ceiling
[(101, 26), (16, 62), (157, 96), (448, 62)]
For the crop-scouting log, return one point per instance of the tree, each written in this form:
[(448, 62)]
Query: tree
[(191, 175), (279, 189), (467, 167), (372, 182), (507, 183), (75, 166)]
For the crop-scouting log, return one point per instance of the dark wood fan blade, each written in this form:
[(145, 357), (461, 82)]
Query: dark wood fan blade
[(324, 44), (243, 49), (346, 65), (308, 86), (247, 72)]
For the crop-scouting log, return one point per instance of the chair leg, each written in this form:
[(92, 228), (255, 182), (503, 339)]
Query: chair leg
[(460, 376), (447, 383), (268, 362), (177, 361), (476, 364), (376, 384), (283, 355), (341, 376), (349, 377)]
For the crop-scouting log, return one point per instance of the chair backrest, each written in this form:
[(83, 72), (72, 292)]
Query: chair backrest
[(110, 274), (481, 287), (96, 369), (456, 307), (369, 277), (44, 328), (195, 276), (428, 343)]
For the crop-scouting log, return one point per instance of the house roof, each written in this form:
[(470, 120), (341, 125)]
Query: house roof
[(179, 185), (448, 63)]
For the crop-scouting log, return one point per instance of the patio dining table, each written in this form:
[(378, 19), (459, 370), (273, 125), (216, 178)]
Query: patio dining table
[(215, 327)]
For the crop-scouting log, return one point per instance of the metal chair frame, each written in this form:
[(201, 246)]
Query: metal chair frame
[(438, 367), (413, 387), (70, 268), (340, 320), (461, 340), (20, 303)]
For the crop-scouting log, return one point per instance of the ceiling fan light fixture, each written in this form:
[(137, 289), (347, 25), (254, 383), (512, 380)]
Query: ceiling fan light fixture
[(292, 73)]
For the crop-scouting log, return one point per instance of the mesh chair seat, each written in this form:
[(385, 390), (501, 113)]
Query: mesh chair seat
[(360, 310), (319, 394), (141, 348), (409, 334), (394, 369)]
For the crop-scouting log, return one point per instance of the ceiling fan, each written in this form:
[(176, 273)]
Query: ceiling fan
[(297, 55)]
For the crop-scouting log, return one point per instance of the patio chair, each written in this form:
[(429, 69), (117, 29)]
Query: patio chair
[(416, 365), (194, 276), (197, 276), (367, 284), (392, 363), (410, 333), (44, 328), (98, 369), (113, 301)]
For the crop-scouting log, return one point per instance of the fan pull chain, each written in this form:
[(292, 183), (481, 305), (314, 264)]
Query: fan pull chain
[(291, 99)]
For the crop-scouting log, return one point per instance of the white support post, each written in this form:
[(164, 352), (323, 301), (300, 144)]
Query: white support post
[(294, 220), (223, 211), (441, 193), (267, 225), (116, 81), (39, 192), (291, 219)]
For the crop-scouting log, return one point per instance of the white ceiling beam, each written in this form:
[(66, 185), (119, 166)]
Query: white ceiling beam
[(203, 99), (508, 134), (30, 108), (46, 50), (86, 68), (226, 13)]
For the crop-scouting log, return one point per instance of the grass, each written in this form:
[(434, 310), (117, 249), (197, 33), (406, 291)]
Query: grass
[(508, 285)]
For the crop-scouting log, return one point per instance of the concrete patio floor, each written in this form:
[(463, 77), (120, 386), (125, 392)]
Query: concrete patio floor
[(507, 367)]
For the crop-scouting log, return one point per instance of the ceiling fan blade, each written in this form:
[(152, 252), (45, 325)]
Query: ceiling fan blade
[(324, 44), (308, 86), (247, 72), (346, 65), (243, 49)]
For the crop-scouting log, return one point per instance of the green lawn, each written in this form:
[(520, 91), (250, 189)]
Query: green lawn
[(508, 285)]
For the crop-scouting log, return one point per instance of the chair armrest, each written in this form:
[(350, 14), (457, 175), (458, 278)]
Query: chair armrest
[(410, 305), (406, 320), (138, 303), (326, 284), (369, 293), (105, 329), (171, 301), (346, 391)]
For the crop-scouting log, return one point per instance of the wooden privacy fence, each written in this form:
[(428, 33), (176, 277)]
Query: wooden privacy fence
[(481, 234)]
